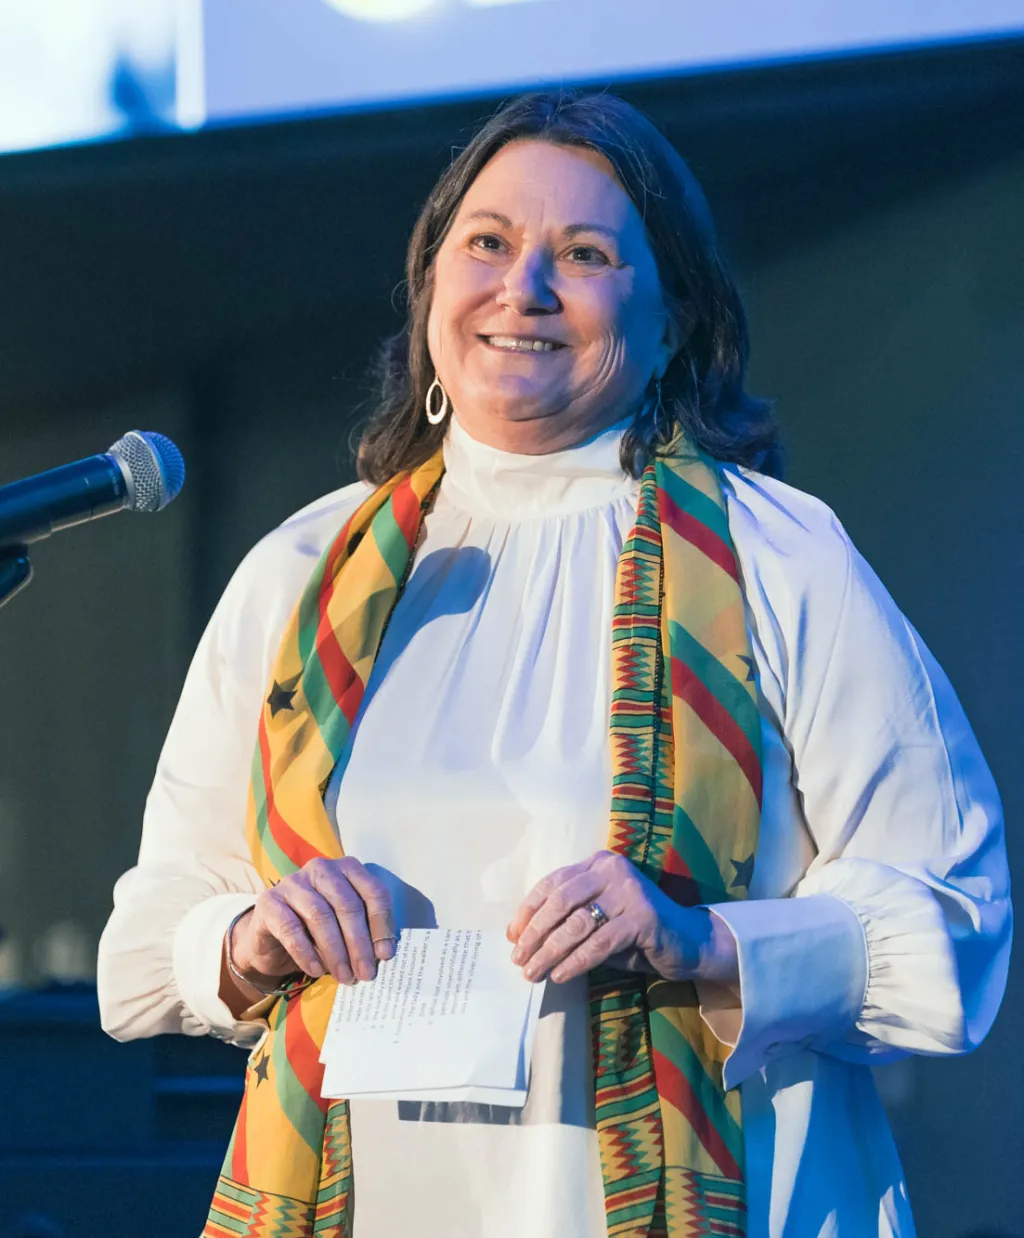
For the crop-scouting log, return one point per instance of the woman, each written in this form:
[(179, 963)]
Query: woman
[(569, 513)]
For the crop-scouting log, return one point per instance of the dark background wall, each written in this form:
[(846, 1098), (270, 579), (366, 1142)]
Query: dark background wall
[(228, 288)]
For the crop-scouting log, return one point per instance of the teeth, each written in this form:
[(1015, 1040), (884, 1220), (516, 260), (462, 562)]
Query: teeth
[(514, 344)]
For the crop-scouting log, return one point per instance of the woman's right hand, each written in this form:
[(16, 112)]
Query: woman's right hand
[(332, 916)]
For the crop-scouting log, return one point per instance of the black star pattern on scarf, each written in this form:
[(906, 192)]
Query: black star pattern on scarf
[(744, 871), (262, 1069), (281, 695), (748, 662)]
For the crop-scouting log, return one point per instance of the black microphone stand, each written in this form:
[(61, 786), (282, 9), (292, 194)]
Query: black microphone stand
[(15, 571)]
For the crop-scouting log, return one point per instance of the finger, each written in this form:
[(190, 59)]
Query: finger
[(383, 933), (530, 905), (320, 918), (330, 880), (376, 896), (558, 908), (598, 948), (568, 936), (288, 928)]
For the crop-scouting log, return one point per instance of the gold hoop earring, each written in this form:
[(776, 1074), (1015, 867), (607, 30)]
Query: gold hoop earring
[(436, 416)]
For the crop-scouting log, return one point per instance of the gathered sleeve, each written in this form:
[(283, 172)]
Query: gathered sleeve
[(159, 960), (896, 938), (159, 956)]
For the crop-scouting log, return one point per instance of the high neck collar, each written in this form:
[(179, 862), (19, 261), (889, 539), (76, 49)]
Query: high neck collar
[(508, 485)]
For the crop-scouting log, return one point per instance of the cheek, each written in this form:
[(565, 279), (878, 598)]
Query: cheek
[(439, 318), (442, 329), (622, 318), (608, 303), (458, 291), (643, 331)]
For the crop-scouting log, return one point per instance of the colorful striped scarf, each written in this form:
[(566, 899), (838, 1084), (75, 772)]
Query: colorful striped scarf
[(685, 737)]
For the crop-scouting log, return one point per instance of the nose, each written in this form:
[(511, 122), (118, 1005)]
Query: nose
[(526, 288)]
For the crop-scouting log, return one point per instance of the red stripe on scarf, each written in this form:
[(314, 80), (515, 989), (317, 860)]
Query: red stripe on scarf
[(637, 1195), (678, 881), (345, 685), (622, 1091), (241, 1212), (698, 534), (674, 1086), (295, 847), (304, 1055), (239, 1160), (688, 686), (405, 507), (674, 865)]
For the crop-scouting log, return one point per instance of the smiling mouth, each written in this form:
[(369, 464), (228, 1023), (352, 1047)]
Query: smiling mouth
[(521, 343)]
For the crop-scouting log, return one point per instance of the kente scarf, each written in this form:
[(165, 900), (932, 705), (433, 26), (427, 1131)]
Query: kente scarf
[(685, 736)]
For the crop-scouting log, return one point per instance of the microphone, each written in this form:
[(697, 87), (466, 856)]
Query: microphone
[(142, 472)]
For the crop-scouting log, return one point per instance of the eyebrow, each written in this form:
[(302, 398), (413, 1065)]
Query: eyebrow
[(576, 229), (569, 232), (495, 215)]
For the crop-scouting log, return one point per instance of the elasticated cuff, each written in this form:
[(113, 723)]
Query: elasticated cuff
[(197, 959), (803, 975)]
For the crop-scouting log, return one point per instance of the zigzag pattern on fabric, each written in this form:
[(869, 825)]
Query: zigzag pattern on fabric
[(685, 809), (705, 1205), (237, 1210), (650, 720), (334, 1197)]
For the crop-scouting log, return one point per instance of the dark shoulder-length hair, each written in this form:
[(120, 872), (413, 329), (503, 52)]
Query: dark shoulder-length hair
[(703, 387)]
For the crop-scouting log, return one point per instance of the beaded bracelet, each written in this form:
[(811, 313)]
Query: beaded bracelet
[(279, 992)]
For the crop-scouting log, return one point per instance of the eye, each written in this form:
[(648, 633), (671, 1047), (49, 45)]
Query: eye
[(488, 242), (587, 255)]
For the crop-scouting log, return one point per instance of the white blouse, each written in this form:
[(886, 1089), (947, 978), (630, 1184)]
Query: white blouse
[(879, 917)]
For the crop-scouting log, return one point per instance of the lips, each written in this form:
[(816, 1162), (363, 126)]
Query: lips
[(522, 343)]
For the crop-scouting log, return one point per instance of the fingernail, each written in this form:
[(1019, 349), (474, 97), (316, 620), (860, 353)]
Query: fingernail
[(531, 972), (365, 971), (518, 954), (385, 948)]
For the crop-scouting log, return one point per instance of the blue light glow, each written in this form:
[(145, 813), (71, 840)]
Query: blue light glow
[(75, 70)]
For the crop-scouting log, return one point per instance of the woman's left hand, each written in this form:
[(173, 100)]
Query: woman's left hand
[(557, 933)]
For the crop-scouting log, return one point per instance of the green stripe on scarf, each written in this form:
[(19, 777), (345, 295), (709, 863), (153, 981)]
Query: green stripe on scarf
[(723, 685), (294, 1163)]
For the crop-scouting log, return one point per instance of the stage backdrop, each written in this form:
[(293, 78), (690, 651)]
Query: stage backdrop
[(249, 58), (86, 70)]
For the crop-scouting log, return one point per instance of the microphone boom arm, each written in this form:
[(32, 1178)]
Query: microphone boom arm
[(15, 571)]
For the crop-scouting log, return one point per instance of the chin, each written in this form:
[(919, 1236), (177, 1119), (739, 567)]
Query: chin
[(512, 400)]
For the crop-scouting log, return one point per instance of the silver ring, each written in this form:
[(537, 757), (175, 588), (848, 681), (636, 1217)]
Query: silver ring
[(597, 914)]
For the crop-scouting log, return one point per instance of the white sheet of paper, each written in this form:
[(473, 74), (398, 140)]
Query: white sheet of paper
[(448, 1018), (514, 1098)]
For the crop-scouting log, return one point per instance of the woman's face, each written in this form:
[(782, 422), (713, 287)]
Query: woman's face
[(547, 321)]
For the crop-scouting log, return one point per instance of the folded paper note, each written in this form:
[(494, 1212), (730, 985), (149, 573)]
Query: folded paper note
[(450, 1017)]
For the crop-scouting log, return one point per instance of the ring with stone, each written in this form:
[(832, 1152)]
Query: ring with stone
[(597, 914)]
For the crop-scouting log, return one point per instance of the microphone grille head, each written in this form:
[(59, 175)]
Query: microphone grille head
[(155, 466)]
